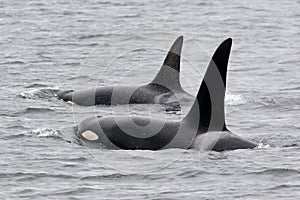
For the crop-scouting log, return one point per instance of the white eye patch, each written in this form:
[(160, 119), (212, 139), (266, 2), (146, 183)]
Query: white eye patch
[(90, 135)]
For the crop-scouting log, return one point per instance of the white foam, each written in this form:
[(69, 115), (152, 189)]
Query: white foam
[(235, 99), (263, 146), (34, 93), (46, 132)]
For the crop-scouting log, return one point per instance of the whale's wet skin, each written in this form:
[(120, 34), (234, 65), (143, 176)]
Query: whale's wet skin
[(164, 89), (206, 115), (45, 43)]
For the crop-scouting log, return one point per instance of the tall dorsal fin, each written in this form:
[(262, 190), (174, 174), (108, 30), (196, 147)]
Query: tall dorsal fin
[(210, 98), (168, 75)]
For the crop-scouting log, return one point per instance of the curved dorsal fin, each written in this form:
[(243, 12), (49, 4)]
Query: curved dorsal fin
[(208, 108), (168, 75)]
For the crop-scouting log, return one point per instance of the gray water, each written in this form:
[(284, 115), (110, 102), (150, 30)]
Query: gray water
[(47, 47)]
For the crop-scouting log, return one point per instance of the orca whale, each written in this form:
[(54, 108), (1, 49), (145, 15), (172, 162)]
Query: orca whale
[(164, 89), (203, 127)]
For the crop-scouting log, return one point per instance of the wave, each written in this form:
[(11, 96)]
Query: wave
[(263, 146), (238, 99), (129, 16), (235, 99), (80, 77), (46, 132), (36, 85), (111, 176), (290, 89), (30, 176), (192, 174), (35, 93), (290, 145), (13, 62), (37, 110), (15, 136), (267, 101), (78, 190), (277, 171), (92, 36), (284, 186), (67, 134)]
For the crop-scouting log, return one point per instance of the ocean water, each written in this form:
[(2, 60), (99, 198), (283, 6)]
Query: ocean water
[(51, 46)]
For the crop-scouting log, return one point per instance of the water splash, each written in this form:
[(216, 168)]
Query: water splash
[(67, 133), (262, 146), (47, 132), (37, 93), (235, 99)]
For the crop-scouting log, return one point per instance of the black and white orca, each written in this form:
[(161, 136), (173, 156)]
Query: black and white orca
[(164, 89), (203, 127)]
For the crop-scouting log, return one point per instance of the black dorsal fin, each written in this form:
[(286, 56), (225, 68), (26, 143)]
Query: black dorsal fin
[(168, 75), (208, 108)]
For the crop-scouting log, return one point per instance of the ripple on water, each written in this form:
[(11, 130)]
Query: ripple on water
[(27, 176), (235, 99), (37, 93), (37, 110), (48, 41), (46, 132), (278, 172), (113, 176), (284, 186)]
